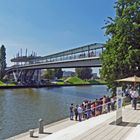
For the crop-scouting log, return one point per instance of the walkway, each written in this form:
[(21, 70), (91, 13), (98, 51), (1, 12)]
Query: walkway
[(109, 131), (96, 128), (48, 129)]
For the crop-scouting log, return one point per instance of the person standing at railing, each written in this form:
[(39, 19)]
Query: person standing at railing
[(84, 109), (93, 108), (108, 101), (76, 112), (80, 111), (113, 100), (71, 109), (101, 105), (104, 104), (88, 110), (96, 107)]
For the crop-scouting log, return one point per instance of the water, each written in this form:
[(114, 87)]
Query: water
[(20, 109)]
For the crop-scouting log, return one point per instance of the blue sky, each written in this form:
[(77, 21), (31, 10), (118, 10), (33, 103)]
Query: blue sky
[(49, 26)]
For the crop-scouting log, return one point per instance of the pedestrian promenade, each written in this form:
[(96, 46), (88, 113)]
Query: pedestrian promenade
[(48, 130), (134, 135), (97, 128), (109, 131)]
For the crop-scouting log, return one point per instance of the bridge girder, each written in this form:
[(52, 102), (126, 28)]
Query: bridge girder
[(87, 62)]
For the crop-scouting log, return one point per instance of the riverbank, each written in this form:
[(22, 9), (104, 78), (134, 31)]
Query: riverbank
[(77, 80), (70, 81), (43, 86), (100, 127)]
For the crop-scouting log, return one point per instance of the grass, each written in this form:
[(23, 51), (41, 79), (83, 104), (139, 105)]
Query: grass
[(9, 84), (70, 80), (97, 81), (1, 83), (76, 80), (60, 83), (12, 84)]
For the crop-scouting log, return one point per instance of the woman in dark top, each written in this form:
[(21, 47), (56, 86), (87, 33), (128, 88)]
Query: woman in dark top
[(76, 112)]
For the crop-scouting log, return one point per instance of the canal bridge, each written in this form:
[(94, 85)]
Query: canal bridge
[(27, 67)]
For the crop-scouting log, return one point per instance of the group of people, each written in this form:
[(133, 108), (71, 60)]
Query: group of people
[(89, 109)]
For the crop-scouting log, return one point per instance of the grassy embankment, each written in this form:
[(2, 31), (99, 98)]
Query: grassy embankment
[(75, 80), (70, 81), (4, 84), (97, 82)]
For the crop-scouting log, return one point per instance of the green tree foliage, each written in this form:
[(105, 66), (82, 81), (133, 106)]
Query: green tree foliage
[(58, 73), (84, 73), (2, 61), (49, 74), (52, 73), (122, 55)]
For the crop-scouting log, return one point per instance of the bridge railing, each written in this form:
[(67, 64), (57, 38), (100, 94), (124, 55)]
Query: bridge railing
[(92, 50), (64, 58)]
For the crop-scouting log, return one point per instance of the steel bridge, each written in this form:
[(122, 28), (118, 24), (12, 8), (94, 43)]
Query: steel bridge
[(85, 56)]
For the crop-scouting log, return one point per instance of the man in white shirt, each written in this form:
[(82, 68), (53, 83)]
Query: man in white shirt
[(134, 96), (80, 111)]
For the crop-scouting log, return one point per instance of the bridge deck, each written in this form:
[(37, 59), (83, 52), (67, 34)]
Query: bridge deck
[(84, 62), (103, 131)]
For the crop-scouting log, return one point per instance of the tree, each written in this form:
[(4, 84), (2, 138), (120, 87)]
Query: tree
[(84, 73), (58, 73), (49, 74), (122, 54), (2, 61)]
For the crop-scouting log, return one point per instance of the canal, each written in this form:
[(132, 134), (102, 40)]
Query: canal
[(20, 109)]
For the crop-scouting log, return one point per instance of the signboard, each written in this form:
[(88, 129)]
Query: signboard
[(119, 105)]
